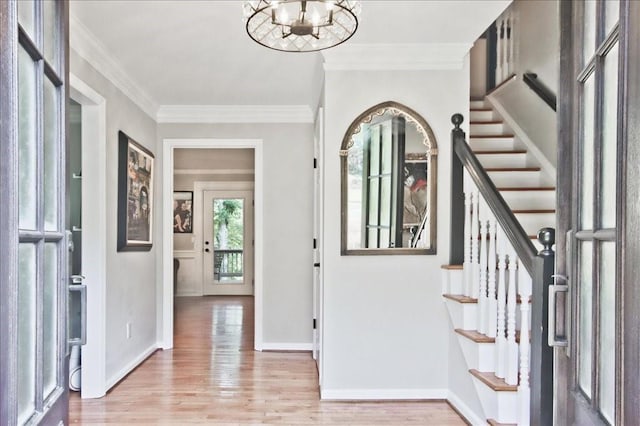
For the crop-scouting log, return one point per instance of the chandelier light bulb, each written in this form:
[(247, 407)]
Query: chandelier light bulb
[(301, 25)]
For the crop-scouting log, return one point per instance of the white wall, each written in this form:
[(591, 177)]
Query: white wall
[(288, 226), (385, 325), (130, 276)]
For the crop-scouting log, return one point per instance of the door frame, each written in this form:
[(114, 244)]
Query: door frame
[(198, 224), (165, 302), (94, 234)]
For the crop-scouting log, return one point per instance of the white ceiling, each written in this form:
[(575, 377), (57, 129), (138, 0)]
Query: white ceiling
[(184, 52)]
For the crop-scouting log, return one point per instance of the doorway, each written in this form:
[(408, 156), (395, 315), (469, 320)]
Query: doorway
[(227, 241), (169, 147)]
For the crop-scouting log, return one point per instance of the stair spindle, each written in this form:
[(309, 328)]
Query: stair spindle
[(524, 392), (501, 339), (466, 266), (483, 314), (492, 303), (512, 347), (475, 267)]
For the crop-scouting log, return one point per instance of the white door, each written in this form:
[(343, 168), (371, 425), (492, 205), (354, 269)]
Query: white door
[(317, 242), (227, 242)]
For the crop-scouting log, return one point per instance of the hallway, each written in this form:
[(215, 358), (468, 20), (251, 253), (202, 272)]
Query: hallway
[(213, 376)]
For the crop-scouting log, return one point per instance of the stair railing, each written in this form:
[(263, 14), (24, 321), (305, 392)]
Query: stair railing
[(505, 45), (504, 272)]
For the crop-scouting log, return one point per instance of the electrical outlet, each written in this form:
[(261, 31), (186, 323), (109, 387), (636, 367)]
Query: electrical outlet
[(128, 330)]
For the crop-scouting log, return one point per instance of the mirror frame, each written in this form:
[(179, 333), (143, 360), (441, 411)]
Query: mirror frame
[(431, 147)]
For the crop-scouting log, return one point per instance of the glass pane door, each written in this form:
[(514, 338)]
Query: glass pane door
[(228, 237)]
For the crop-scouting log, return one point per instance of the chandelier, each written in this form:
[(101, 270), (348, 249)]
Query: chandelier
[(299, 25)]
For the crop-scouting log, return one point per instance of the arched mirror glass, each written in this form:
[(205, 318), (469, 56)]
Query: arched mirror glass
[(389, 162)]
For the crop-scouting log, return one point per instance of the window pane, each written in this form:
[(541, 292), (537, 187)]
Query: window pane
[(611, 14), (585, 291), (26, 331), (385, 238), (27, 154), (374, 153), (51, 156), (50, 318), (607, 360), (50, 33), (373, 238), (609, 139), (587, 148), (387, 145), (374, 201), (589, 28), (385, 201), (228, 239), (26, 16)]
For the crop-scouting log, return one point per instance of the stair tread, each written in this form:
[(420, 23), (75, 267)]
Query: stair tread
[(493, 422), (495, 383), (486, 122), (528, 188), (460, 298), (480, 109), (451, 267), (475, 336), (513, 169), (500, 136), (534, 211), (501, 152)]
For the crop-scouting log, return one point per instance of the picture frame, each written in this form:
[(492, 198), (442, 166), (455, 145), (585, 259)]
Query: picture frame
[(183, 212), (135, 195)]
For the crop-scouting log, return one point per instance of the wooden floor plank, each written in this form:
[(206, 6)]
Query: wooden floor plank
[(213, 376)]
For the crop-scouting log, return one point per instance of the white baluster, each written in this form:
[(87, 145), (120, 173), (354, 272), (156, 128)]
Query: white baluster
[(466, 266), (475, 267), (524, 392), (501, 339), (492, 303), (482, 252), (512, 347)]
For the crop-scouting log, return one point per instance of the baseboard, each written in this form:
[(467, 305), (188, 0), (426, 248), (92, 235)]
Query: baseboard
[(302, 347), (382, 394), (464, 410), (131, 366), (189, 294)]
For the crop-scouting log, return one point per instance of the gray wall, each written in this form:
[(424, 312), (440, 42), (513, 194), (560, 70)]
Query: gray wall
[(288, 227), (130, 276)]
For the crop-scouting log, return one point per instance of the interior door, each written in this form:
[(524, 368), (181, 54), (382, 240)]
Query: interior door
[(227, 242), (33, 270), (595, 244), (317, 237)]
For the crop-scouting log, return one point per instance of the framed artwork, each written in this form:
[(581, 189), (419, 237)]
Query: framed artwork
[(135, 195), (183, 212)]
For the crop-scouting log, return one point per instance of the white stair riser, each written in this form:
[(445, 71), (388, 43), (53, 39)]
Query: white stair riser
[(500, 406), (502, 160), (483, 115), (491, 144), (477, 104), (533, 222), (526, 200), (486, 129), (463, 315), (452, 281), (511, 179), (479, 356)]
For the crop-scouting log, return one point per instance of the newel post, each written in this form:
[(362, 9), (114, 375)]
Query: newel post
[(541, 353), (456, 249)]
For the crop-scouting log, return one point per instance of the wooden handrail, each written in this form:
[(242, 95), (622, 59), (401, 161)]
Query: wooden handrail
[(512, 228), (531, 79)]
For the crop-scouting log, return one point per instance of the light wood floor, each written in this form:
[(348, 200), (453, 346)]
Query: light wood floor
[(213, 376)]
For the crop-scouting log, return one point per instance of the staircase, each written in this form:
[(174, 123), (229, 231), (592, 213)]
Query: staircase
[(484, 302)]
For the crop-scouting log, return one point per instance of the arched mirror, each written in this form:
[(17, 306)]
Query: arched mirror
[(389, 163)]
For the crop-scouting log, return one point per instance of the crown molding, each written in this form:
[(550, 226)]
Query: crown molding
[(89, 48), (234, 114), (396, 57)]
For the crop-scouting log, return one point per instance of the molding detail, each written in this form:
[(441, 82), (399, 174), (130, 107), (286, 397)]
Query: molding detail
[(89, 48), (234, 114), (382, 394), (464, 410), (283, 347), (131, 366), (396, 57), (213, 171)]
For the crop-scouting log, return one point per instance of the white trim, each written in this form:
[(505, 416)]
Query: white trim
[(94, 233), (546, 165), (234, 114), (88, 47), (306, 347), (212, 171), (397, 57), (464, 410), (382, 394), (131, 366), (168, 145)]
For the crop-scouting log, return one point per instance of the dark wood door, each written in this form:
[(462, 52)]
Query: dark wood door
[(598, 204), (33, 265)]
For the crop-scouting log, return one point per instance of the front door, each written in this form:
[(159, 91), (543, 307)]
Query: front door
[(227, 242), (597, 375), (33, 266)]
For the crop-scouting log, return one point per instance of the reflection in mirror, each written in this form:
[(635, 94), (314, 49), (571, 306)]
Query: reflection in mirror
[(388, 158)]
